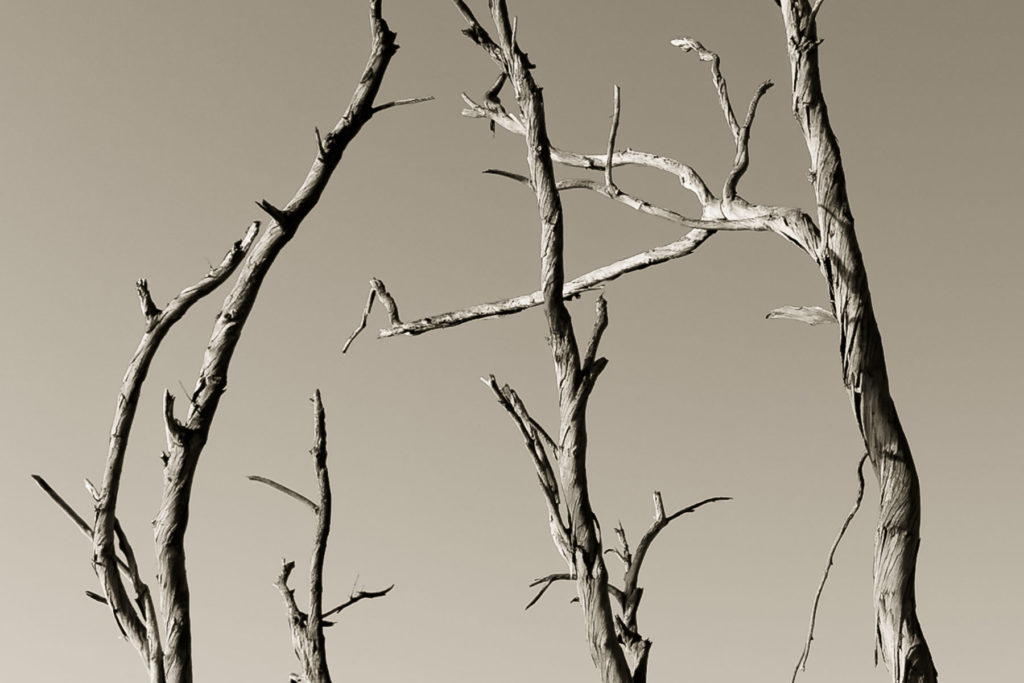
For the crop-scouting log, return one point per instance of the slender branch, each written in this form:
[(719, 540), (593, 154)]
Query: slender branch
[(742, 160), (402, 103), (82, 525), (801, 664), (356, 597), (105, 558), (287, 491), (688, 177), (600, 325), (537, 441), (307, 630), (705, 55), (611, 142), (547, 581), (660, 522), (377, 291), (792, 224)]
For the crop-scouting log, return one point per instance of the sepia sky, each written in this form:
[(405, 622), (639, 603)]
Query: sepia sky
[(135, 138)]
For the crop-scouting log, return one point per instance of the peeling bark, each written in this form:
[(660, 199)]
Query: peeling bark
[(900, 640)]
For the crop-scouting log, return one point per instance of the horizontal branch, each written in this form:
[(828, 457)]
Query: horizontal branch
[(356, 597), (687, 176), (547, 581)]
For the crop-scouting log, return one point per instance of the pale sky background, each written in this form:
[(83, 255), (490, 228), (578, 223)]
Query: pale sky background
[(135, 138)]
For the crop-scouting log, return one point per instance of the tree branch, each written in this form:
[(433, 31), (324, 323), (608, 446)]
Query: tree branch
[(307, 630), (287, 491), (356, 597), (801, 664)]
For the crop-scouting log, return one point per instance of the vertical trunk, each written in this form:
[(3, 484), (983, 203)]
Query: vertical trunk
[(900, 639)]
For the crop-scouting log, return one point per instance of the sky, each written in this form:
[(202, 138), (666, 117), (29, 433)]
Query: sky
[(136, 138)]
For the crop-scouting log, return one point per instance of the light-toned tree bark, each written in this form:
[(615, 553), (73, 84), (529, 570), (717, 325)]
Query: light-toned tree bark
[(167, 651), (617, 648), (900, 639), (830, 242)]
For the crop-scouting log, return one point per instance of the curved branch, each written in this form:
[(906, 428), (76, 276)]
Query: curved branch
[(801, 664), (687, 176), (900, 639)]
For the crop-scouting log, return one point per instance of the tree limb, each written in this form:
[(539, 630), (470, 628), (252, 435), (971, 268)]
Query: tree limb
[(801, 664)]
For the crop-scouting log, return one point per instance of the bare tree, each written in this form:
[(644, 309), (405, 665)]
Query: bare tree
[(167, 651), (831, 243)]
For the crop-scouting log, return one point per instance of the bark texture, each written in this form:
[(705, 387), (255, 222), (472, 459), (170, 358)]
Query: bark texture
[(574, 377), (900, 639), (169, 660)]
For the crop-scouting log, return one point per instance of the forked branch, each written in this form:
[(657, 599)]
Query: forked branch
[(307, 629), (187, 436)]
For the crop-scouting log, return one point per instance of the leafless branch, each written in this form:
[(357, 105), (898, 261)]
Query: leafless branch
[(537, 442), (307, 630), (402, 103), (574, 382), (705, 55), (547, 581), (801, 664), (377, 290), (287, 491), (688, 177), (742, 160), (611, 142), (82, 525), (188, 438), (356, 597)]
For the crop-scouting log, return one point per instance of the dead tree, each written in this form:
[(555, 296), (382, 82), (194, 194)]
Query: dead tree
[(167, 651), (307, 629), (827, 238), (618, 649)]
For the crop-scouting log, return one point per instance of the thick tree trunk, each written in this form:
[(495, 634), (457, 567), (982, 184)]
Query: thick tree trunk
[(899, 636)]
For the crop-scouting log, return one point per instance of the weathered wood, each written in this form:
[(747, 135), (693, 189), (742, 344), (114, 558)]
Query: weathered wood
[(900, 639)]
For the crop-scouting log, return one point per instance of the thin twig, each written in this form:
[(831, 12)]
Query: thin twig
[(401, 103), (362, 321), (611, 142), (378, 291), (801, 664), (356, 597), (287, 491), (547, 581), (705, 55), (82, 525)]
